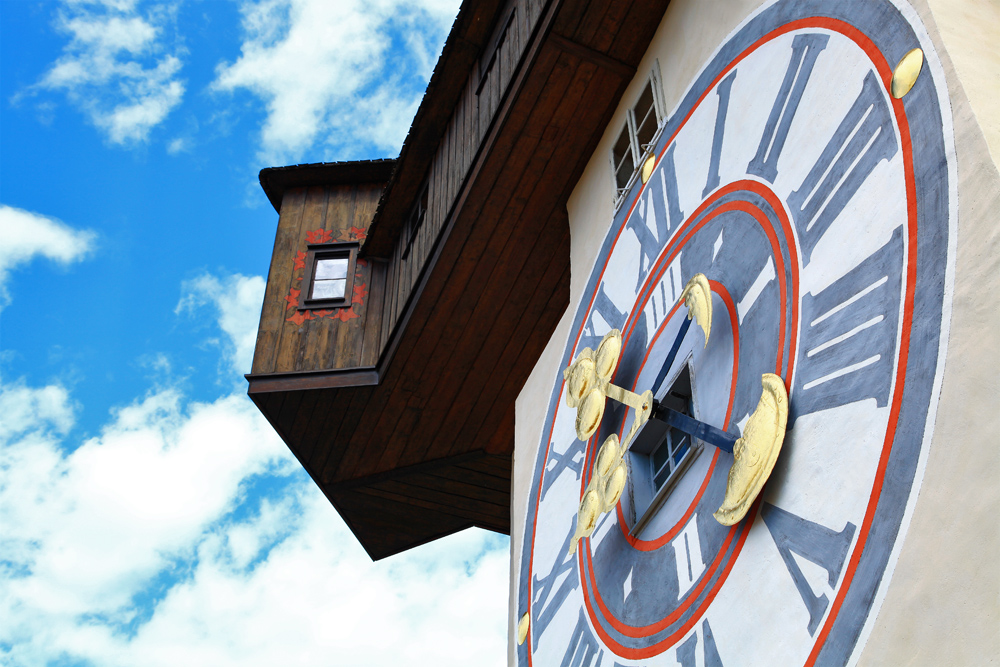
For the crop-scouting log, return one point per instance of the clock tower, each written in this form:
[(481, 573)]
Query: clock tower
[(813, 168)]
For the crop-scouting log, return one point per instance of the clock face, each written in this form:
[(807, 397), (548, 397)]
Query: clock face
[(820, 209)]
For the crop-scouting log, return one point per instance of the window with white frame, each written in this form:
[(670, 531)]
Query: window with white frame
[(639, 134)]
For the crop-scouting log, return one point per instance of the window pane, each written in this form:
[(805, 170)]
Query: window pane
[(662, 453), (328, 289), (645, 117), (661, 478), (625, 170), (681, 449), (331, 269), (622, 147), (647, 129)]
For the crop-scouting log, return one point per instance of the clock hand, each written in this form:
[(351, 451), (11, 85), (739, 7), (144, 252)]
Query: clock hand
[(587, 387), (697, 429), (697, 296), (755, 453), (685, 325)]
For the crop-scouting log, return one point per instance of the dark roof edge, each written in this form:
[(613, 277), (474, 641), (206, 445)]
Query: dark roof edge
[(276, 180), (468, 36)]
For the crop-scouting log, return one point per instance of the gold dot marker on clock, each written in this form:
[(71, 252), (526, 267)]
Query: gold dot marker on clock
[(522, 628), (906, 73), (647, 168)]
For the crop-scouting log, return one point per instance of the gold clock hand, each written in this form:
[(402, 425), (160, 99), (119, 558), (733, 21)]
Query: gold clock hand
[(755, 453), (697, 296), (588, 386)]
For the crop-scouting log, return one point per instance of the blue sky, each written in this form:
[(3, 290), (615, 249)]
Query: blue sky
[(150, 515)]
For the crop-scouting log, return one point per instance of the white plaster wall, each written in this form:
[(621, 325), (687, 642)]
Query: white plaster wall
[(943, 604), (969, 30)]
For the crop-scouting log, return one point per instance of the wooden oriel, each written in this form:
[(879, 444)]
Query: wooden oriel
[(404, 414)]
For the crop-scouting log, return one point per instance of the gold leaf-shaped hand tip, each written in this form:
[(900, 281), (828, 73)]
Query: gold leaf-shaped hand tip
[(580, 377), (755, 453), (697, 296), (606, 357)]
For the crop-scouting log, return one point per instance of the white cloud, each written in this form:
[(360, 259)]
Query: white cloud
[(237, 300), (116, 66), (347, 75), (89, 529), (178, 145), (25, 409), (147, 546), (185, 533), (25, 235)]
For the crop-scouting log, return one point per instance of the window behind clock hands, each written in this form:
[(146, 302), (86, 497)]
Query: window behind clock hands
[(660, 454)]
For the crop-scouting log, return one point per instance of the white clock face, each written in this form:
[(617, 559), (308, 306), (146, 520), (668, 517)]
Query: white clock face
[(819, 208)]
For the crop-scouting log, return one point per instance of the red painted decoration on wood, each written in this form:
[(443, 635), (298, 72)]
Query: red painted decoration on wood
[(301, 316), (293, 298)]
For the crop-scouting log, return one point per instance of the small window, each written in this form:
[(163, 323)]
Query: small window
[(415, 220), (638, 135), (646, 119), (624, 162), (330, 271), (489, 56)]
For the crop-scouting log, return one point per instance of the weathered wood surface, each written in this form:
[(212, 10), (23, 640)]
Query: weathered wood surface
[(453, 158), (322, 342)]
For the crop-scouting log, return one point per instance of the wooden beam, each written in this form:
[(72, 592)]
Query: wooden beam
[(398, 473), (338, 377), (567, 45)]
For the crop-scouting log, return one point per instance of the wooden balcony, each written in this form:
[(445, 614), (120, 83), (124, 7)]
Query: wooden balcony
[(404, 413)]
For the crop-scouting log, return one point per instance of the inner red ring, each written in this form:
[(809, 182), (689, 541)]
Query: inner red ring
[(681, 238)]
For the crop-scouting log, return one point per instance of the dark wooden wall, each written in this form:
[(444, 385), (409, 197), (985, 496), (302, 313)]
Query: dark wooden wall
[(469, 123), (326, 341)]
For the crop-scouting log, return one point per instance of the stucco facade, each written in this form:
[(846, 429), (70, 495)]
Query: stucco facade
[(942, 601)]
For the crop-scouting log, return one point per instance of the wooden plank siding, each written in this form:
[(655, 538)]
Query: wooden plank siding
[(454, 156), (321, 343), (404, 415)]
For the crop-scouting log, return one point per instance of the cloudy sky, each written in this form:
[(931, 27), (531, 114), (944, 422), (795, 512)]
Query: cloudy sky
[(148, 513)]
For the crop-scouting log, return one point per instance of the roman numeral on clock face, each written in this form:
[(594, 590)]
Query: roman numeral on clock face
[(604, 317), (720, 128), (686, 652), (664, 295), (864, 138), (805, 48), (571, 459), (547, 597), (583, 649), (657, 214), (688, 557), (849, 331), (814, 542)]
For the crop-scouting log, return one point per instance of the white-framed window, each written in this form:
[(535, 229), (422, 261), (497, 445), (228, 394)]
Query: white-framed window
[(638, 135)]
